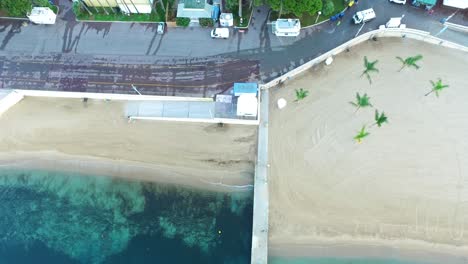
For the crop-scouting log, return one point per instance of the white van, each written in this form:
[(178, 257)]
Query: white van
[(42, 15), (363, 16), (220, 33)]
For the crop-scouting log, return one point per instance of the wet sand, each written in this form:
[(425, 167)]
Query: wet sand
[(97, 138), (403, 187)]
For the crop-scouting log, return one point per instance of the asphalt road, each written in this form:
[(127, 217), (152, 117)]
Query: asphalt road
[(110, 57)]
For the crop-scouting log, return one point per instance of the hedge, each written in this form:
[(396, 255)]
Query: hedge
[(206, 22), (182, 21)]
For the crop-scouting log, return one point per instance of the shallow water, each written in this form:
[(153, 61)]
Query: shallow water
[(52, 217)]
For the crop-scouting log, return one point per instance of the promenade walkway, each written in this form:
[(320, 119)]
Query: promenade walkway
[(260, 216)]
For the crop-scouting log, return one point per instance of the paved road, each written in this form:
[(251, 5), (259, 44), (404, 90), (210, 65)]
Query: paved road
[(109, 57)]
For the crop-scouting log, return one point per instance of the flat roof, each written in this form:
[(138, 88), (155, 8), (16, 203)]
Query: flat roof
[(463, 4), (245, 88), (287, 23), (195, 4)]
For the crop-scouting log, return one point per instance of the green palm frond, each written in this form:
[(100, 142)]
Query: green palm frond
[(410, 61), (437, 87), (368, 68), (361, 101), (380, 118), (361, 134), (301, 94)]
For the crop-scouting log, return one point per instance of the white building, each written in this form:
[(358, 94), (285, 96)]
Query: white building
[(226, 19), (462, 4), (287, 27)]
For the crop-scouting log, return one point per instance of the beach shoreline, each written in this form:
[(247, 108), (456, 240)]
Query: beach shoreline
[(96, 138), (128, 170)]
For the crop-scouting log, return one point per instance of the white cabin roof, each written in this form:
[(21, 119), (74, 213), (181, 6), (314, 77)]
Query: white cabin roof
[(463, 4)]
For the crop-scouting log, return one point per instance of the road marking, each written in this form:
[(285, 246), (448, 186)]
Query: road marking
[(359, 31), (441, 31)]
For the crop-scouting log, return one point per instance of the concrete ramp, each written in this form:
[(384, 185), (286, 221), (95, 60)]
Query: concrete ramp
[(8, 99)]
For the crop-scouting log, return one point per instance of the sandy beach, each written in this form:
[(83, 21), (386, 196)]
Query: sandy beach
[(97, 138), (403, 187)]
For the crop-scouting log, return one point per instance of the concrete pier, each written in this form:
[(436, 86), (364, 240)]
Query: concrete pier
[(260, 208)]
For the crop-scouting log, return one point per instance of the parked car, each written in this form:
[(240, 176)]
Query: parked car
[(363, 16), (403, 2), (220, 33), (160, 28)]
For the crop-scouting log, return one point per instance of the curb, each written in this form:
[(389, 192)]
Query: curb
[(456, 27), (309, 26), (15, 18), (319, 23)]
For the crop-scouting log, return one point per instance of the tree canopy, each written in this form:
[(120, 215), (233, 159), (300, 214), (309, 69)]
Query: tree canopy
[(16, 8), (297, 7)]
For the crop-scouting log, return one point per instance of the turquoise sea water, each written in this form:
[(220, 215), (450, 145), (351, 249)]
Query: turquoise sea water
[(51, 217)]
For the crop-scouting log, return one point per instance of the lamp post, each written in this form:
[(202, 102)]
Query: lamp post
[(318, 15)]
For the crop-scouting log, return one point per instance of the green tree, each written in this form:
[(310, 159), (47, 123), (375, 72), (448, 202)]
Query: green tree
[(361, 101), (368, 68), (297, 7), (328, 7), (361, 134), (41, 3), (380, 118), (16, 8), (231, 5), (437, 87), (301, 94), (410, 62), (275, 4)]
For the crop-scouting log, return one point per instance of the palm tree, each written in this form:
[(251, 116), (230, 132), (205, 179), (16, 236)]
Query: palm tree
[(410, 62), (362, 134), (437, 87), (301, 94), (361, 101), (369, 67), (380, 118)]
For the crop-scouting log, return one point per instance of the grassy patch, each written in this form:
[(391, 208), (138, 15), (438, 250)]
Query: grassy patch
[(153, 17), (246, 12), (206, 22), (308, 19), (114, 14)]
